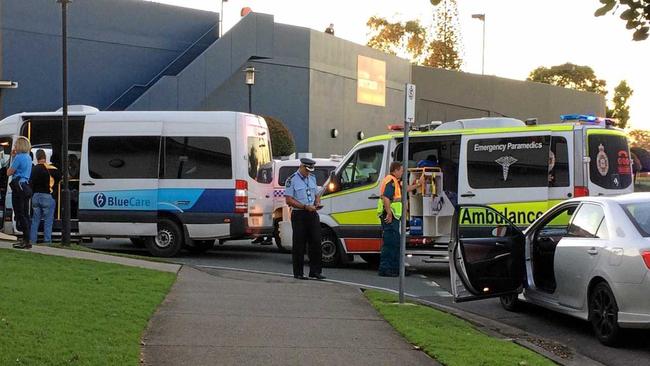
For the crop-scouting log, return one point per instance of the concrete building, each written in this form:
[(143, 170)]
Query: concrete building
[(135, 55)]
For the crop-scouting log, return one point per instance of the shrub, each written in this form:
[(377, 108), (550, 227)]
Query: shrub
[(282, 141)]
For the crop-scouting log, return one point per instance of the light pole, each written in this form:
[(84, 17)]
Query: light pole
[(221, 19), (481, 17), (65, 192), (250, 81)]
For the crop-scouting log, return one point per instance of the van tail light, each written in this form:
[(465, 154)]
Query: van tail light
[(646, 258), (241, 196), (580, 191)]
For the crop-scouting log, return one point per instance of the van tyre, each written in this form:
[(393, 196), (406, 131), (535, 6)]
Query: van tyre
[(330, 246), (201, 246), (276, 236), (510, 302), (603, 314), (168, 241)]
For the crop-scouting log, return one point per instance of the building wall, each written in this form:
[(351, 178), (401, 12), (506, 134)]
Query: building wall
[(112, 44), (444, 95)]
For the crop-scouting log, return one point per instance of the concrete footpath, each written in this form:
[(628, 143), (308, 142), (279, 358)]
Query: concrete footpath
[(238, 318)]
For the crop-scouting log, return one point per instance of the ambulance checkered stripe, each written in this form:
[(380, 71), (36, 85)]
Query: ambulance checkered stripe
[(278, 193)]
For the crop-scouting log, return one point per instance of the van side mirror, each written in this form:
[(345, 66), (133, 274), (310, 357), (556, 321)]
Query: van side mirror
[(333, 183)]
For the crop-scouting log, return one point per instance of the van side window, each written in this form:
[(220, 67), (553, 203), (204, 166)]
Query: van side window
[(197, 158), (260, 165), (558, 163), (362, 168), (508, 162), (123, 157), (586, 221), (322, 173)]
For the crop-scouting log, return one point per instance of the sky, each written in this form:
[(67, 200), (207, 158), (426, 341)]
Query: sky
[(521, 35)]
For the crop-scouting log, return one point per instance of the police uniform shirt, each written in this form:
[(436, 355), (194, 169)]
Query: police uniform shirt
[(302, 189)]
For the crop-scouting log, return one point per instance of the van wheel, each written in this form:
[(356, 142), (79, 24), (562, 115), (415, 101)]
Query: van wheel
[(138, 242), (510, 302), (371, 259), (603, 314), (276, 236), (330, 246), (201, 246), (168, 241)]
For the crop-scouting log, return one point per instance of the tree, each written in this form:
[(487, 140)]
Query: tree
[(640, 138), (282, 142), (636, 16), (570, 76), (621, 110), (422, 46)]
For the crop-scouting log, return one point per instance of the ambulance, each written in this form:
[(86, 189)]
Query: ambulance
[(519, 168)]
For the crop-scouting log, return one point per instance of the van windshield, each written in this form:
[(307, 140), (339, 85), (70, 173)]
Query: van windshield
[(321, 173), (610, 165), (260, 165)]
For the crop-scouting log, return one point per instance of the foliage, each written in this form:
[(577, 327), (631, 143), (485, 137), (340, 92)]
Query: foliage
[(570, 76), (282, 142), (59, 311), (621, 110), (636, 15), (639, 138), (449, 340), (422, 46)]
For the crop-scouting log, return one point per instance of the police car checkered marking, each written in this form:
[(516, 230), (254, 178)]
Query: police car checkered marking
[(278, 193)]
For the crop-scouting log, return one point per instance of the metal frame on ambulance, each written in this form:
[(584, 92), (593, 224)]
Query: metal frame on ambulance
[(521, 170), (163, 179)]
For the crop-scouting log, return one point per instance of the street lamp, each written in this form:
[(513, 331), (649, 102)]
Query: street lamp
[(481, 17), (250, 81), (221, 19), (65, 192)]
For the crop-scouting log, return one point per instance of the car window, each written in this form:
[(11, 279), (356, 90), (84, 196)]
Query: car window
[(602, 232), (639, 214), (558, 223), (321, 172), (362, 168), (586, 221)]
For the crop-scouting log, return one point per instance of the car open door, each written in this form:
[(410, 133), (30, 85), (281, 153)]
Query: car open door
[(486, 255)]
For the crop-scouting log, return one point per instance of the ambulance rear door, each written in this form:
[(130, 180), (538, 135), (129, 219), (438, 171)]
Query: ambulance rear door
[(608, 163)]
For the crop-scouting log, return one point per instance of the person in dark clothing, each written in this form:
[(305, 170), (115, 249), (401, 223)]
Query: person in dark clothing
[(44, 178)]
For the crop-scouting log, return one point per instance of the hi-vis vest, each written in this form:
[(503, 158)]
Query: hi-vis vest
[(396, 205)]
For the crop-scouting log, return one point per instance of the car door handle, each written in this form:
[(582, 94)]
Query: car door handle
[(373, 197), (468, 194), (88, 183), (592, 251)]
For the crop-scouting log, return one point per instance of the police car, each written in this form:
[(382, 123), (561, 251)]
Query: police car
[(519, 168)]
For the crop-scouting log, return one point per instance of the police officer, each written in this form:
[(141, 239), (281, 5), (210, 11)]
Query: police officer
[(301, 194)]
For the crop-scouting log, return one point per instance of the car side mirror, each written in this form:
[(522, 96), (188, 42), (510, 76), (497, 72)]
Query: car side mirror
[(333, 184)]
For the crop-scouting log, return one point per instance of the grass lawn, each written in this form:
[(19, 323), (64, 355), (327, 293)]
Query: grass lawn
[(448, 339), (62, 311)]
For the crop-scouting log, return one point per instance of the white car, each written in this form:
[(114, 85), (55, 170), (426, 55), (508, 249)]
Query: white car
[(587, 257)]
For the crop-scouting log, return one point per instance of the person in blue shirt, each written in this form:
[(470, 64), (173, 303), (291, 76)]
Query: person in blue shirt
[(20, 171), (301, 193)]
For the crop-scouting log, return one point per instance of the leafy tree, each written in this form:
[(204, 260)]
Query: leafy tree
[(621, 110), (282, 142), (422, 46), (636, 15), (570, 76), (639, 138)]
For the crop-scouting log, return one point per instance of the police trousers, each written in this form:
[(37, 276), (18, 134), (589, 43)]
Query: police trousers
[(306, 233)]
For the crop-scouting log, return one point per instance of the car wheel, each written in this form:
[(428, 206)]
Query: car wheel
[(138, 242), (167, 242), (276, 236), (200, 246), (510, 302), (371, 259), (330, 249), (603, 314)]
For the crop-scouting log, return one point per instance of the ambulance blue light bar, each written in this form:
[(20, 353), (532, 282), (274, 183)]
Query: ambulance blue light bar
[(588, 119)]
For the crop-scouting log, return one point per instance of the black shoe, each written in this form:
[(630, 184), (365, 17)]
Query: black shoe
[(317, 276), (301, 277), (22, 246)]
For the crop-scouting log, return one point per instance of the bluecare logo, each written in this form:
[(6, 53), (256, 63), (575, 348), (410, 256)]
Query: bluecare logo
[(99, 200)]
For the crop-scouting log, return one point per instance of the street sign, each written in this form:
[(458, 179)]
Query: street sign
[(409, 115)]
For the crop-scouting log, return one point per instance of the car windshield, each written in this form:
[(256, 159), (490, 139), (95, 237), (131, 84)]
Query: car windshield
[(639, 213)]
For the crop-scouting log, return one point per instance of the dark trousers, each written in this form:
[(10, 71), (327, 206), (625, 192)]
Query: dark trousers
[(20, 203), (306, 231), (389, 259)]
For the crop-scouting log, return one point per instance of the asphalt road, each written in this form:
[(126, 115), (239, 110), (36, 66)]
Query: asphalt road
[(429, 282)]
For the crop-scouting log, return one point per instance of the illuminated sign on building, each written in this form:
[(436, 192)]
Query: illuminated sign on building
[(371, 81)]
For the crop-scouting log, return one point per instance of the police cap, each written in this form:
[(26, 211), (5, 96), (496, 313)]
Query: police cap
[(308, 163)]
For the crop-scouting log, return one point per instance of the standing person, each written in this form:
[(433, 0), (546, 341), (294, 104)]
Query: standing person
[(389, 210), (20, 171), (44, 178), (301, 193)]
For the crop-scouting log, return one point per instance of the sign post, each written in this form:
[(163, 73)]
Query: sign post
[(409, 119)]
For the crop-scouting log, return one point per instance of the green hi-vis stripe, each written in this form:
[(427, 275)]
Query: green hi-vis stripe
[(361, 217)]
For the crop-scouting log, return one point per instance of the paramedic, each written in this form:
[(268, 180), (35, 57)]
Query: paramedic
[(301, 194)]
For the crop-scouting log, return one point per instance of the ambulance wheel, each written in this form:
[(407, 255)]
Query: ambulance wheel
[(276, 236), (138, 242), (330, 246), (372, 259), (168, 242), (200, 246)]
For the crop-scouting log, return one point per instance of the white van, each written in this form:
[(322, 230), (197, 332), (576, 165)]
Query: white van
[(521, 170), (167, 179)]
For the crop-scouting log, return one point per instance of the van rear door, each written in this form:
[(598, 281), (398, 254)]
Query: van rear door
[(260, 175), (610, 166), (119, 178), (508, 172)]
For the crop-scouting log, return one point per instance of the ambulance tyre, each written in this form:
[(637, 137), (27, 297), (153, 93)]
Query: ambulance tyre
[(330, 246), (510, 302), (169, 240), (276, 236)]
